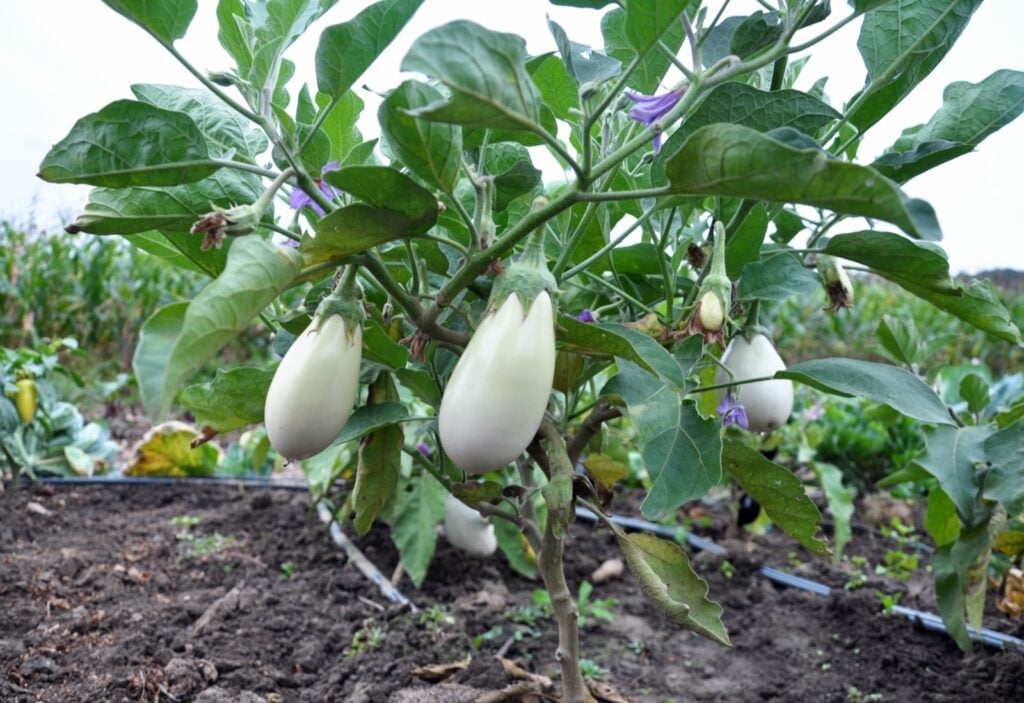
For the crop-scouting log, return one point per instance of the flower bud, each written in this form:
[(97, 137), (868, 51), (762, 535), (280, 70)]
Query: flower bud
[(837, 283)]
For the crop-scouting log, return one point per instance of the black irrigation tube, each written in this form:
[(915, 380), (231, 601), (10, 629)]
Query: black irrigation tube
[(256, 482), (929, 621)]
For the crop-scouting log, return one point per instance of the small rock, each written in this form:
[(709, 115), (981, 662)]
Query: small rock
[(183, 676), (163, 656), (216, 694), (260, 501), (881, 508), (611, 569), (208, 670), (38, 509), (11, 649), (40, 667)]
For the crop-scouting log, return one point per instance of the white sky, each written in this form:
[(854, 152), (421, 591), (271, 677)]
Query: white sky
[(65, 58)]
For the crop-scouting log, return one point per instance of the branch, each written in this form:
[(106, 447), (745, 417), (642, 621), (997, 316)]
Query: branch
[(591, 426), (476, 264)]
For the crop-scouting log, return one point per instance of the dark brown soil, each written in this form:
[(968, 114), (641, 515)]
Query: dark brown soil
[(99, 603)]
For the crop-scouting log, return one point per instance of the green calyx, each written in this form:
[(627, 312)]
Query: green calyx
[(345, 300), (528, 275)]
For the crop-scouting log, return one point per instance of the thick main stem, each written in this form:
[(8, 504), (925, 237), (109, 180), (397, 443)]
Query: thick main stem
[(549, 566)]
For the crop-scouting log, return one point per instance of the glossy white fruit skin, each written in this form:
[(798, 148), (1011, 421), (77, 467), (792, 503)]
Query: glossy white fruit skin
[(467, 529), (768, 403), (497, 394), (314, 389)]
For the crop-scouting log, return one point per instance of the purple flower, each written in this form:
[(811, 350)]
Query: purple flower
[(424, 449), (650, 108), (732, 412), (586, 316), (813, 413), (300, 199)]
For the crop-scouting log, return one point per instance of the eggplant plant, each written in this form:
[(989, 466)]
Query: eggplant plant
[(698, 189)]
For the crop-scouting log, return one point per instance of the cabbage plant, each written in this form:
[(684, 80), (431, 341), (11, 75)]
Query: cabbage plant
[(698, 189)]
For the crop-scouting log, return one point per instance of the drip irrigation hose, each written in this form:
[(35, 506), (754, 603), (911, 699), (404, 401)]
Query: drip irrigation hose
[(929, 621), (239, 482), (366, 566)]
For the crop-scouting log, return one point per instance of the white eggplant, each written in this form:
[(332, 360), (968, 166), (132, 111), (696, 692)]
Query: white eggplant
[(467, 529), (497, 394), (314, 388), (768, 403)]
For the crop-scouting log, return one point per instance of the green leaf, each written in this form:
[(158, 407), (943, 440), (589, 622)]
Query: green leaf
[(583, 69), (183, 250), (940, 520), (178, 339), (225, 130), (166, 20), (421, 383), (717, 43), (129, 143), (379, 347), (235, 33), (862, 6), (776, 278), (380, 460), (733, 160), (648, 20), (142, 209), (882, 383), (388, 189), (512, 544), (902, 166), (1005, 482), (368, 418), (739, 103), (513, 172), (951, 456), (972, 111), (557, 89), (340, 125), (431, 150), (780, 493), (395, 207), (485, 72), (472, 492), (901, 42), (420, 508), (664, 574), (277, 25), (744, 246), (969, 113), (233, 399), (950, 564), (840, 504), (346, 50), (922, 269), (681, 450), (900, 339), (755, 32), (592, 4), (612, 339), (974, 389), (653, 65)]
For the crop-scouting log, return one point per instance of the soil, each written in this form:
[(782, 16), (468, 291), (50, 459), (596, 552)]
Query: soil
[(101, 601)]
